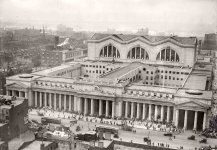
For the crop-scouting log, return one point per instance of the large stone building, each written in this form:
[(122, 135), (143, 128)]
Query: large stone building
[(127, 76)]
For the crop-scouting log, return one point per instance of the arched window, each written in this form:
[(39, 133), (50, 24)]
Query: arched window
[(109, 51), (137, 53), (168, 54)]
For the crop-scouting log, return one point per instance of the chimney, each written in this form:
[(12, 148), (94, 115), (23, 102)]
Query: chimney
[(56, 41), (42, 146)]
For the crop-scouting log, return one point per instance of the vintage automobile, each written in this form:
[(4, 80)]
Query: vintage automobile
[(203, 141), (147, 139), (116, 135), (192, 137), (168, 134)]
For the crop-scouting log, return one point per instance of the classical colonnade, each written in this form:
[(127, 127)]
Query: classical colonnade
[(99, 107)]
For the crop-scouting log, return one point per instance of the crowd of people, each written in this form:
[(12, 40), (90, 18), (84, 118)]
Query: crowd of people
[(148, 125)]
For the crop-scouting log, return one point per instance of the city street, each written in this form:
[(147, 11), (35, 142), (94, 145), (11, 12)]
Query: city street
[(155, 136)]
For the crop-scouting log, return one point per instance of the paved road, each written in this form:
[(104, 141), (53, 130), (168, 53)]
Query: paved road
[(156, 136)]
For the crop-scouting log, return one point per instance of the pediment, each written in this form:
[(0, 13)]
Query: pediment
[(192, 104), (16, 85)]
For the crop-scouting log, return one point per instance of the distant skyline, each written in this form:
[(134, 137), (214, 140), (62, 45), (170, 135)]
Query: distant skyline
[(182, 17)]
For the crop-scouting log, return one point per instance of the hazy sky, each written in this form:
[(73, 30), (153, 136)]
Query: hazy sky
[(178, 16)]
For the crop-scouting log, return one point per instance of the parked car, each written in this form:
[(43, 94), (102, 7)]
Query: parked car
[(203, 141), (116, 135), (191, 137), (168, 134), (147, 139)]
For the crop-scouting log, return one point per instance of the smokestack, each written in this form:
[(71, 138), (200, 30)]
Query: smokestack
[(56, 41)]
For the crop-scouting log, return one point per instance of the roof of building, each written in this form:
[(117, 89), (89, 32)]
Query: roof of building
[(204, 94), (16, 102), (196, 82), (106, 143), (118, 73), (50, 70), (23, 77), (35, 145), (152, 39), (152, 88)]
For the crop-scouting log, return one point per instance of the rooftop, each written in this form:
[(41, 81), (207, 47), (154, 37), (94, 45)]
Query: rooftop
[(106, 143), (152, 39), (35, 145), (7, 99), (196, 82), (122, 71), (204, 94)]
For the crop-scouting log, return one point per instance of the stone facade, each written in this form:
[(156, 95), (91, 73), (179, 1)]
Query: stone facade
[(113, 86)]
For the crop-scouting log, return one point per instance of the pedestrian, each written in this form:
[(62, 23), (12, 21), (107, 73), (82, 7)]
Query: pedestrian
[(174, 136)]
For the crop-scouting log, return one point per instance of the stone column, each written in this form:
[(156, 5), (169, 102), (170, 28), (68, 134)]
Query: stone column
[(55, 101), (195, 120), (92, 106), (155, 113), (26, 95), (75, 104), (107, 108), (120, 109), (149, 112), (100, 107), (126, 109), (78, 102), (204, 120), (168, 113), (40, 98), (177, 118), (7, 92), (36, 99), (20, 93), (70, 102), (186, 119), (132, 109), (50, 101), (143, 112), (14, 93), (85, 106), (64, 102), (60, 103), (113, 109), (138, 111), (45, 99), (162, 113)]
